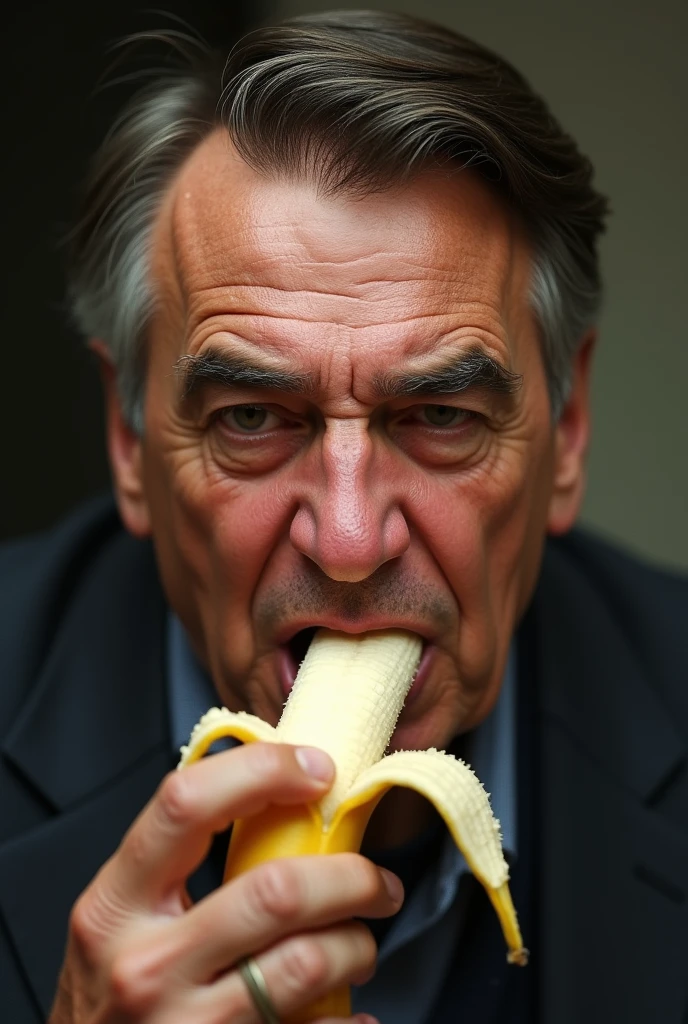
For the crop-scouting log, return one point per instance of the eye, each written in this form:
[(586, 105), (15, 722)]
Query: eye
[(249, 419), (443, 415)]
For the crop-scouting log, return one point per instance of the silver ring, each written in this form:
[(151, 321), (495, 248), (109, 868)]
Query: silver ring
[(258, 990)]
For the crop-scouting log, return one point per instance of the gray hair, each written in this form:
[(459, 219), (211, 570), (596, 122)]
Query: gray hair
[(356, 102)]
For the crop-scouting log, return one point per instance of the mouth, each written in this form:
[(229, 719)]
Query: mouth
[(291, 653)]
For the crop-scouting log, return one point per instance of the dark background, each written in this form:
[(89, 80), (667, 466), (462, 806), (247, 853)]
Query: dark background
[(54, 113)]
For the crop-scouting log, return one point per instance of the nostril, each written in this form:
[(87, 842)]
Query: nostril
[(303, 532), (397, 536)]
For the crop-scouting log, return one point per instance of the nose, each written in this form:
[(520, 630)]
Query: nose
[(349, 519)]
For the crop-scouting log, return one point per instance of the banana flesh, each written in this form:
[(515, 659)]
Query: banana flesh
[(341, 674), (346, 699)]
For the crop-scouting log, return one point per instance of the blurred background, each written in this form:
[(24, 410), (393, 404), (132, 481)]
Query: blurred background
[(614, 73)]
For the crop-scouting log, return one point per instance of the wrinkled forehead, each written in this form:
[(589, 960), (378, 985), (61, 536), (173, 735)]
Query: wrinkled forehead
[(226, 225)]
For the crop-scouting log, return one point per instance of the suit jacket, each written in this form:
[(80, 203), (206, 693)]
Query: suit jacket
[(84, 743)]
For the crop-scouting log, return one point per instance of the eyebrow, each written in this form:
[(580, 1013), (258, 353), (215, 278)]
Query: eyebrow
[(229, 371), (472, 369)]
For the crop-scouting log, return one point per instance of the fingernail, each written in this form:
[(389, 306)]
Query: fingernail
[(365, 1018), (392, 885), (316, 763)]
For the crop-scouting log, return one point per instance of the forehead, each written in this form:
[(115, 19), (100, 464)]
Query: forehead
[(235, 243)]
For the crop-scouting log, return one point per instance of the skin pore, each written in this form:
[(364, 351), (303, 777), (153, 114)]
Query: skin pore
[(332, 503)]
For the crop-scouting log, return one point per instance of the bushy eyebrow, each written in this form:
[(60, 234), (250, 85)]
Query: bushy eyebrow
[(472, 369), (215, 367)]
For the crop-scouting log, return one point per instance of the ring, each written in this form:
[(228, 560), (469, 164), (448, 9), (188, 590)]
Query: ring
[(258, 990)]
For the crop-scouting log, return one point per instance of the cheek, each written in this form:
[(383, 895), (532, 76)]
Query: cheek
[(485, 530), (213, 536), (515, 516)]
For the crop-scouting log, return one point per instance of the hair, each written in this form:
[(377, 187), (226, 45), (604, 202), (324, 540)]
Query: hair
[(356, 102)]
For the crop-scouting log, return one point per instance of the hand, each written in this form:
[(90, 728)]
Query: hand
[(139, 951)]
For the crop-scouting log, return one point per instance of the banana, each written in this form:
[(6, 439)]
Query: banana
[(346, 699)]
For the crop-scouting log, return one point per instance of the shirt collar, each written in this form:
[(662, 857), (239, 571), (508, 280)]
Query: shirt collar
[(191, 689)]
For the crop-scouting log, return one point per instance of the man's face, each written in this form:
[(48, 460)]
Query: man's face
[(294, 474)]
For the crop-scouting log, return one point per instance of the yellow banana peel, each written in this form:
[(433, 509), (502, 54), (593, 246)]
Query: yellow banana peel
[(346, 699)]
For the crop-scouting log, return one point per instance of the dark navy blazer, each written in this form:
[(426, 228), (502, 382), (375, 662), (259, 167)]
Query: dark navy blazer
[(604, 732)]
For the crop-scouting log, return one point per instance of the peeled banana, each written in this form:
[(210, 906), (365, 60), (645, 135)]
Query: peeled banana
[(346, 699)]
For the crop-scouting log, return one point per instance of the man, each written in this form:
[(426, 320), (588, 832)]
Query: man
[(344, 306)]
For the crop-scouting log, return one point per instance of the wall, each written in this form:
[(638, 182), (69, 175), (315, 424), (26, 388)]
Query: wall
[(616, 76)]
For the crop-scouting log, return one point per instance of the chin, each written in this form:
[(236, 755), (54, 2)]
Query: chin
[(435, 724)]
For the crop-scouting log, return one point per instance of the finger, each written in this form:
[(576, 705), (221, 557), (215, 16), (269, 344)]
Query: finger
[(173, 833), (297, 972), (278, 899)]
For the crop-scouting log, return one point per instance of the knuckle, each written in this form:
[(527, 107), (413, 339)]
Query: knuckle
[(366, 876), (96, 916), (275, 891), (135, 846), (366, 947), (177, 799), (363, 950), (84, 927), (135, 984), (304, 965)]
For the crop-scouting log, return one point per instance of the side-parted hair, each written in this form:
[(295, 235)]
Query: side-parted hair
[(356, 102)]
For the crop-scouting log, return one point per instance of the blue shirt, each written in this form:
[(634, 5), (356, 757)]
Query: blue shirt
[(415, 953)]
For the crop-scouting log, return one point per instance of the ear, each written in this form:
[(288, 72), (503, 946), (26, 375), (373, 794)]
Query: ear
[(571, 438), (124, 449)]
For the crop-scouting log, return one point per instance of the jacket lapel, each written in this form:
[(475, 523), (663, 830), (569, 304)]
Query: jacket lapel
[(61, 857), (93, 744), (609, 753)]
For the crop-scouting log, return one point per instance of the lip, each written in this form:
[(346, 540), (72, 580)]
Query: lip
[(369, 624), (421, 675), (287, 667)]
